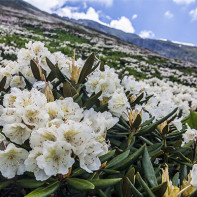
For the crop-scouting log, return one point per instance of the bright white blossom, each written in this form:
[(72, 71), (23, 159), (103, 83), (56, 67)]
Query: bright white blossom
[(12, 161)]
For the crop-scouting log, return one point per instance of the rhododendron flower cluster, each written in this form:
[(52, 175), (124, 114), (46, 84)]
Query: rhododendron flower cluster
[(57, 132)]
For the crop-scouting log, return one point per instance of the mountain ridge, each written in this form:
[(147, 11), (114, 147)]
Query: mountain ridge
[(166, 48)]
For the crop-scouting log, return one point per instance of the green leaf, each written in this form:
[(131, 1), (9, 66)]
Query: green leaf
[(107, 156), (137, 121), (160, 189), (35, 70), (51, 65), (110, 171), (86, 70), (4, 184), (2, 83), (104, 183), (68, 91), (147, 122), (149, 172), (138, 99), (101, 193), (147, 129), (183, 174), (145, 186), (175, 179), (51, 76), (30, 183), (131, 175), (44, 191), (118, 159), (192, 121), (166, 117), (102, 67), (130, 159), (78, 172), (135, 192), (80, 184), (91, 101)]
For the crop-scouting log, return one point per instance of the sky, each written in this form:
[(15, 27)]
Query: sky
[(174, 20)]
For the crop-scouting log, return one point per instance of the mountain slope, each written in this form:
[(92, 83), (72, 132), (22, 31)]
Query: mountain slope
[(20, 23), (166, 48)]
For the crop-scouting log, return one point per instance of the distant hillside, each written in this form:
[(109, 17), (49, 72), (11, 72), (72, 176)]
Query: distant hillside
[(166, 48)]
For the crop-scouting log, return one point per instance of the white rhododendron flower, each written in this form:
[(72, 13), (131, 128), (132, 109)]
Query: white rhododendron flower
[(118, 103), (189, 135), (32, 166), (194, 176), (54, 110), (89, 158), (99, 121), (70, 109), (76, 134), (177, 123), (17, 132), (106, 81), (12, 161), (34, 116), (17, 81), (56, 158), (43, 134)]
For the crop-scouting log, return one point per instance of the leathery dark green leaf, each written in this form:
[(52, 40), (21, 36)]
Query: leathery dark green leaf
[(4, 184), (2, 83), (44, 191), (35, 70), (30, 183), (118, 159), (144, 185), (160, 189), (148, 169), (80, 184), (134, 190), (107, 156), (86, 68), (130, 159), (104, 183)]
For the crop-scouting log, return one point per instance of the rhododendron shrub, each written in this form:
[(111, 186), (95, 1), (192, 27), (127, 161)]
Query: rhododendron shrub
[(79, 128)]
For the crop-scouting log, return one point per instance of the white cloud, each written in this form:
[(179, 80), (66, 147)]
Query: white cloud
[(91, 14), (54, 4), (193, 14), (187, 2), (104, 2), (168, 14), (134, 16), (46, 6), (146, 34), (123, 24)]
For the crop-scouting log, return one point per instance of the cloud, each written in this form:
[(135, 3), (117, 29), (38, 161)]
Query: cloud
[(146, 34), (54, 4), (123, 24), (187, 2), (134, 16), (91, 14), (168, 14), (193, 14), (46, 6), (104, 2)]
